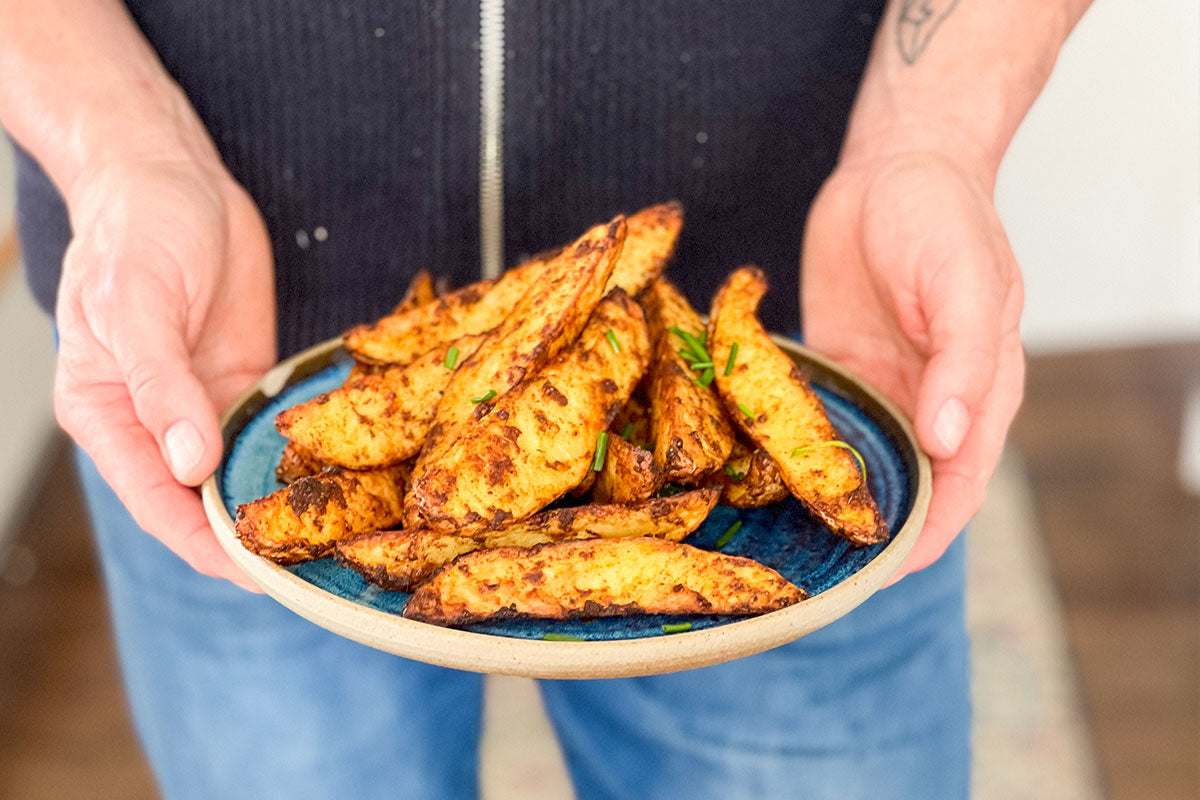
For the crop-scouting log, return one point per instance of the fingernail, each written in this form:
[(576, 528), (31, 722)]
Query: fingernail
[(184, 447), (950, 424)]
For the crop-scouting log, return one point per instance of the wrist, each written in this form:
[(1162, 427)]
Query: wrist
[(903, 138)]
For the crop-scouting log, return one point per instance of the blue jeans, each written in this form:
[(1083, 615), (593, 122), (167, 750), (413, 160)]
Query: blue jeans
[(234, 696)]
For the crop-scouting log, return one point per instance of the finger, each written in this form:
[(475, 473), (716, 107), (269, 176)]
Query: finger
[(960, 483), (100, 418), (169, 401)]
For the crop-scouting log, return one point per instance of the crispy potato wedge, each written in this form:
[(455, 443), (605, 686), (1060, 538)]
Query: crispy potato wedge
[(598, 578), (420, 292), (649, 245), (755, 481), (535, 442), (297, 463), (400, 560), (692, 438), (628, 475), (302, 522), (377, 419), (400, 338), (547, 319), (785, 414)]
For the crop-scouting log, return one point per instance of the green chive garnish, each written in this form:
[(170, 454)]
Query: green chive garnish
[(627, 432), (686, 355), (560, 637), (707, 378), (612, 340), (701, 364), (677, 627), (601, 451), (670, 490), (742, 408), (694, 344), (737, 476), (728, 534), (490, 394), (451, 358), (808, 448), (732, 357)]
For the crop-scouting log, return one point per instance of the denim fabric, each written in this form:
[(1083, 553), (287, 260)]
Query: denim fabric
[(234, 697)]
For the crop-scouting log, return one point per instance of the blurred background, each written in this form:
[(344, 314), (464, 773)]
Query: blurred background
[(1084, 590)]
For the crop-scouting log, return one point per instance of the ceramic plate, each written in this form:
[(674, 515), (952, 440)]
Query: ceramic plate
[(783, 536)]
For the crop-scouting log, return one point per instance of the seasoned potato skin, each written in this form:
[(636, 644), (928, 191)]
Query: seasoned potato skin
[(759, 483), (787, 414), (420, 292), (377, 419), (400, 338), (692, 438), (534, 443), (400, 560), (629, 474), (598, 578), (303, 521), (296, 463), (649, 245)]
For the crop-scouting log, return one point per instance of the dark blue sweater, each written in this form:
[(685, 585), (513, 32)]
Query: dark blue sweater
[(361, 117)]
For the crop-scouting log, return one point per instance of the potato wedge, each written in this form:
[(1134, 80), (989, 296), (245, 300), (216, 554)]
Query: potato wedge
[(302, 522), (535, 442), (420, 292), (400, 560), (400, 338), (749, 479), (692, 438), (296, 463), (632, 422), (628, 475), (377, 419), (649, 245), (785, 414), (598, 578), (547, 319)]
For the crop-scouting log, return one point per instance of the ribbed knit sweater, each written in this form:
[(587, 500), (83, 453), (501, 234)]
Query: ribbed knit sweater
[(361, 118)]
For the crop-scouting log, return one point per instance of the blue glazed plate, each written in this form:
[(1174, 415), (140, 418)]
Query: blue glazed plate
[(783, 536)]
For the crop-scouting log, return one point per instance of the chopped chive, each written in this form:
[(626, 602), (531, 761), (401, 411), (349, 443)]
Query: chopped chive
[(686, 355), (451, 358), (560, 637), (742, 408), (601, 451), (733, 348), (728, 534), (694, 344), (670, 490), (737, 476), (701, 364), (627, 432), (490, 394), (706, 379), (808, 448), (612, 340), (676, 627)]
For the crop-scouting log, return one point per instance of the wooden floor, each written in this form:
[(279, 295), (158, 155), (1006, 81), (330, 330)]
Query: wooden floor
[(1098, 433)]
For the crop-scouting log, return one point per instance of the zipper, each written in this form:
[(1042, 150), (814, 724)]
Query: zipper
[(491, 137)]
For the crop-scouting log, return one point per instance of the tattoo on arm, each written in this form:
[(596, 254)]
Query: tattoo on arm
[(919, 20)]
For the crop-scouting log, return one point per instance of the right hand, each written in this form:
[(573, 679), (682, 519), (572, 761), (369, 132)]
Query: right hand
[(166, 312)]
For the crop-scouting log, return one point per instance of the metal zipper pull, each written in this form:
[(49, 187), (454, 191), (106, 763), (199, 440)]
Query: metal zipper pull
[(491, 137)]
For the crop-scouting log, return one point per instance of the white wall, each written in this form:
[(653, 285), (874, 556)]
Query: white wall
[(1100, 191)]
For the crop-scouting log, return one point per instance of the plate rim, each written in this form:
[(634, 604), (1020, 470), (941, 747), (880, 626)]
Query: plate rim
[(535, 658)]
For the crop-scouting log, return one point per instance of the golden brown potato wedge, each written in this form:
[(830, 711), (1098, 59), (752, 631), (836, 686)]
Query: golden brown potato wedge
[(399, 338), (598, 578), (649, 245), (296, 463), (380, 418), (420, 292), (692, 438), (536, 441), (628, 474), (749, 479), (547, 319), (302, 521), (399, 560), (774, 405)]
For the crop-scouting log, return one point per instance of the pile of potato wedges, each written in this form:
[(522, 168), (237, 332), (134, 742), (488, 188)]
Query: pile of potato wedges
[(540, 444)]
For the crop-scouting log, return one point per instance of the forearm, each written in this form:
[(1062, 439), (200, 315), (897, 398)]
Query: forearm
[(956, 76), (80, 88)]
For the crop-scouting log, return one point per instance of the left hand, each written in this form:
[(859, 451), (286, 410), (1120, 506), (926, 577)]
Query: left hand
[(908, 280)]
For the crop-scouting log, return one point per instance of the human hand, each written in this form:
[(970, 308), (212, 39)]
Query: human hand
[(908, 280), (166, 312)]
